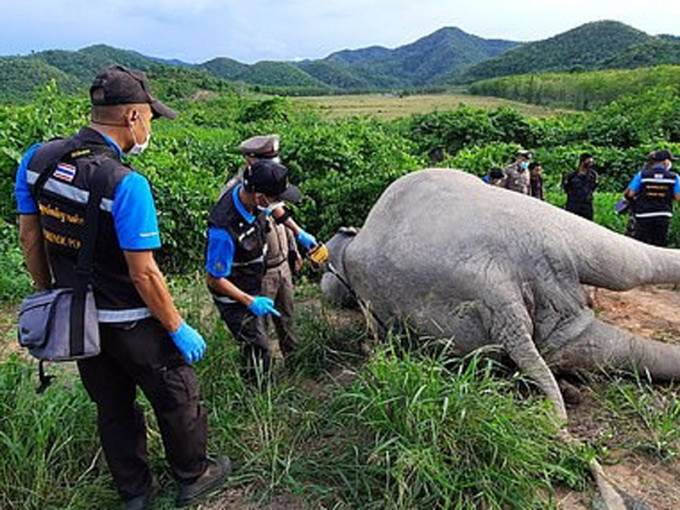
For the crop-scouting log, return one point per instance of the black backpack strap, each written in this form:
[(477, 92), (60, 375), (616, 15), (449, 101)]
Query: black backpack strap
[(46, 172), (98, 180)]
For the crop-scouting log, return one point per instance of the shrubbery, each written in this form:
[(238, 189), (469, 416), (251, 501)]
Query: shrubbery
[(343, 165)]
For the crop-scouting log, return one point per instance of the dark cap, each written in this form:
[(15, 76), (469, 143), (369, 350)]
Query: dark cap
[(271, 178), (120, 85), (266, 146), (662, 156), (584, 156)]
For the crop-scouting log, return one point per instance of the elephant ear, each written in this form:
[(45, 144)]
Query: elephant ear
[(348, 231)]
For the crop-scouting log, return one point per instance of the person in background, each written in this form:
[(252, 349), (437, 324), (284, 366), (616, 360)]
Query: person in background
[(536, 180), (517, 174), (495, 177), (654, 189), (580, 185)]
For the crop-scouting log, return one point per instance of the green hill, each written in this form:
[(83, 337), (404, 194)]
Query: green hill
[(279, 74), (583, 48), (579, 90), (19, 76), (424, 62), (226, 68), (656, 51)]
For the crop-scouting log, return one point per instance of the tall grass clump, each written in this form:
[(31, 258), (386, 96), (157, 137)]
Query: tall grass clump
[(413, 432)]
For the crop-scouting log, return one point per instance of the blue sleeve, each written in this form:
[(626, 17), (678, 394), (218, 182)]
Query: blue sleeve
[(636, 184), (220, 252), (486, 179), (676, 188), (25, 202), (134, 214)]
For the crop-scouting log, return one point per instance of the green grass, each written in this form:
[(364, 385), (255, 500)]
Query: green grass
[(406, 430), (390, 106)]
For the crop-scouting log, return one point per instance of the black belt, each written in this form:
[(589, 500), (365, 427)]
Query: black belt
[(273, 266)]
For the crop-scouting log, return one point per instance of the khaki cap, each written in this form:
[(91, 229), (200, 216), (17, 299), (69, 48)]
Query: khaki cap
[(265, 146)]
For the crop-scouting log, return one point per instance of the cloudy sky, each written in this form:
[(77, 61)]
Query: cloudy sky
[(252, 30)]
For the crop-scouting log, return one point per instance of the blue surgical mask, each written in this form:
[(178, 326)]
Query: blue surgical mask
[(524, 165)]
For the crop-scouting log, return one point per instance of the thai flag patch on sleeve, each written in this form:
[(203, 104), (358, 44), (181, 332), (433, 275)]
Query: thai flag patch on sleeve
[(65, 172)]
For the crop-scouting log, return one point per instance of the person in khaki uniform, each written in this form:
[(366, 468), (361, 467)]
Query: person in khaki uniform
[(517, 174), (277, 285)]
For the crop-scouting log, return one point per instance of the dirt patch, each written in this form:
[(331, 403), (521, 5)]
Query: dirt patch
[(650, 311), (239, 498)]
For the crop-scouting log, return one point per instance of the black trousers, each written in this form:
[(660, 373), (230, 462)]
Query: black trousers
[(652, 230), (142, 354), (251, 334), (583, 209)]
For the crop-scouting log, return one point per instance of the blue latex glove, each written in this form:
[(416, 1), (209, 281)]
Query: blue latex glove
[(307, 240), (189, 342), (263, 306)]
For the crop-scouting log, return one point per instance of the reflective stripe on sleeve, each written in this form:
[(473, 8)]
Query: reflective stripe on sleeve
[(658, 214)]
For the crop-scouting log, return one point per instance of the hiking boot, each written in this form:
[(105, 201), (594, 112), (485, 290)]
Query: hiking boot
[(209, 482), (143, 501)]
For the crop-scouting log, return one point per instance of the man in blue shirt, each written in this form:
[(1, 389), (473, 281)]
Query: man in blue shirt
[(235, 265), (144, 341), (654, 189)]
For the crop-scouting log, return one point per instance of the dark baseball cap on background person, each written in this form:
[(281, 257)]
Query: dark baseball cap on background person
[(270, 178), (584, 156), (662, 156), (261, 147), (119, 85)]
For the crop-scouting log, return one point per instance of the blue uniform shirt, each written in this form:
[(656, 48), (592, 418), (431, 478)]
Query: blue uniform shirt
[(636, 184), (220, 244), (134, 211)]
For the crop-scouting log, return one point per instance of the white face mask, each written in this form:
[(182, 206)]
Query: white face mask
[(270, 208), (138, 148)]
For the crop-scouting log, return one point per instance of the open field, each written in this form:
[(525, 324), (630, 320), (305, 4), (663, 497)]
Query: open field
[(391, 106)]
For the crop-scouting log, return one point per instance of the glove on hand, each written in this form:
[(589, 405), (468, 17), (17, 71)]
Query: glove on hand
[(263, 306), (307, 240), (189, 342)]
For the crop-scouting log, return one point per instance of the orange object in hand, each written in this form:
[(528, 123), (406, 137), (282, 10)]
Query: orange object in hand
[(319, 255)]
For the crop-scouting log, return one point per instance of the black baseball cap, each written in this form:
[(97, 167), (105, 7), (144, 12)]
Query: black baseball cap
[(271, 178), (662, 156), (120, 85)]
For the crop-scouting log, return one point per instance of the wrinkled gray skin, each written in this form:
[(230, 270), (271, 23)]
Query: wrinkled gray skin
[(460, 259)]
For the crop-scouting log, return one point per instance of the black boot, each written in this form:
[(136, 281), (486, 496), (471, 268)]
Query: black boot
[(209, 482), (143, 501)]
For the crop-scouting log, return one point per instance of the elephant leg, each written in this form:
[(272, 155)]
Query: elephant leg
[(601, 346), (511, 327)]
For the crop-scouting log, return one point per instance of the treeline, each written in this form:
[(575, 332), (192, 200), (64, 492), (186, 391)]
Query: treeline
[(579, 90)]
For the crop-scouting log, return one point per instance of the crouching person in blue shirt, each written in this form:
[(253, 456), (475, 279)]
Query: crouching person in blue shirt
[(144, 341), (235, 265)]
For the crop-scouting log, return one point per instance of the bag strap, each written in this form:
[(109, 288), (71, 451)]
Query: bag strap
[(98, 180), (68, 146)]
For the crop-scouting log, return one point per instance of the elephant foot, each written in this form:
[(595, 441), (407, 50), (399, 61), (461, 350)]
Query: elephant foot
[(570, 393)]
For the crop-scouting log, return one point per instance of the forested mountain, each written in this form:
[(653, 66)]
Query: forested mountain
[(426, 61), (598, 45), (447, 56)]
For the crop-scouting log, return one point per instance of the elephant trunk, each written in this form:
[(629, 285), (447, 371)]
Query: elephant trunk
[(601, 346)]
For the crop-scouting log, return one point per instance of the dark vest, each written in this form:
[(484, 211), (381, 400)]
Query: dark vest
[(248, 266), (62, 205), (655, 199)]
